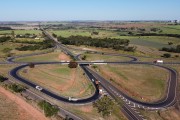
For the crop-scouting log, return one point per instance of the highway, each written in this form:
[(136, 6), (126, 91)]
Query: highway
[(115, 93)]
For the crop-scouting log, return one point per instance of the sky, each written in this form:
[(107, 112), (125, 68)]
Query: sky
[(63, 10)]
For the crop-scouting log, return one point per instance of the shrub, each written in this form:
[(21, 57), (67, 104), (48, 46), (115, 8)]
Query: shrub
[(167, 55), (49, 109), (16, 88), (73, 64), (2, 79), (104, 106)]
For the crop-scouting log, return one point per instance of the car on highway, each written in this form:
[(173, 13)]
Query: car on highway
[(39, 88), (72, 99), (159, 61)]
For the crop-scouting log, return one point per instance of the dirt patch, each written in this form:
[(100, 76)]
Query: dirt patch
[(71, 82), (87, 109), (23, 110), (63, 56)]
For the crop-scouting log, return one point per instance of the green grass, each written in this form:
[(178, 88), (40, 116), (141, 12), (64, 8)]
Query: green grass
[(67, 33), (64, 71), (85, 32), (21, 32)]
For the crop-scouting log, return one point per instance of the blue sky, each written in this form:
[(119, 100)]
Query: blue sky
[(30, 10)]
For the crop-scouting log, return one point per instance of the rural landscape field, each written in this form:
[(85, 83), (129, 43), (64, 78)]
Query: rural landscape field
[(75, 62)]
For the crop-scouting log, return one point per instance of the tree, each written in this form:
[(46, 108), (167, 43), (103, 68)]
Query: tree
[(84, 57), (167, 55), (73, 64), (31, 65), (104, 106), (178, 49), (170, 43), (13, 34), (49, 109)]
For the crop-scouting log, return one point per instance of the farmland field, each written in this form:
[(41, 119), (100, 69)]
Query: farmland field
[(21, 32), (60, 79), (94, 57)]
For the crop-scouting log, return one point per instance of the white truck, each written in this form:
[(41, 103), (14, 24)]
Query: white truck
[(159, 61)]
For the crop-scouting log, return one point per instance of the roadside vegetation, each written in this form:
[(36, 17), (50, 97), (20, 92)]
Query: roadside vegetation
[(16, 88), (49, 110), (104, 106)]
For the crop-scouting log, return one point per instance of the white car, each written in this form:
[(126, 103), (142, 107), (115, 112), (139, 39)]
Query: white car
[(72, 99), (39, 88)]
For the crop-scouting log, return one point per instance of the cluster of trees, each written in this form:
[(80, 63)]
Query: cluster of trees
[(39, 46), (175, 50), (104, 106), (16, 88), (117, 44), (4, 39), (49, 110)]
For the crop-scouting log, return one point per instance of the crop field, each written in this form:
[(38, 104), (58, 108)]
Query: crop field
[(21, 32), (60, 79), (94, 57), (172, 29), (50, 57), (139, 81)]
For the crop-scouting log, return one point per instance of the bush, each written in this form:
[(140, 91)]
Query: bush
[(49, 109), (167, 55), (16, 88), (2, 79), (84, 57), (4, 39)]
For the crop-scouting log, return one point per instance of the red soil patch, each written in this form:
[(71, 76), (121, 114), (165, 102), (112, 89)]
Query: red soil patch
[(63, 56), (25, 110)]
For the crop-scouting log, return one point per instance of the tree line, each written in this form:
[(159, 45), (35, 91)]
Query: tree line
[(117, 44), (175, 50), (155, 34), (4, 39), (38, 46)]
